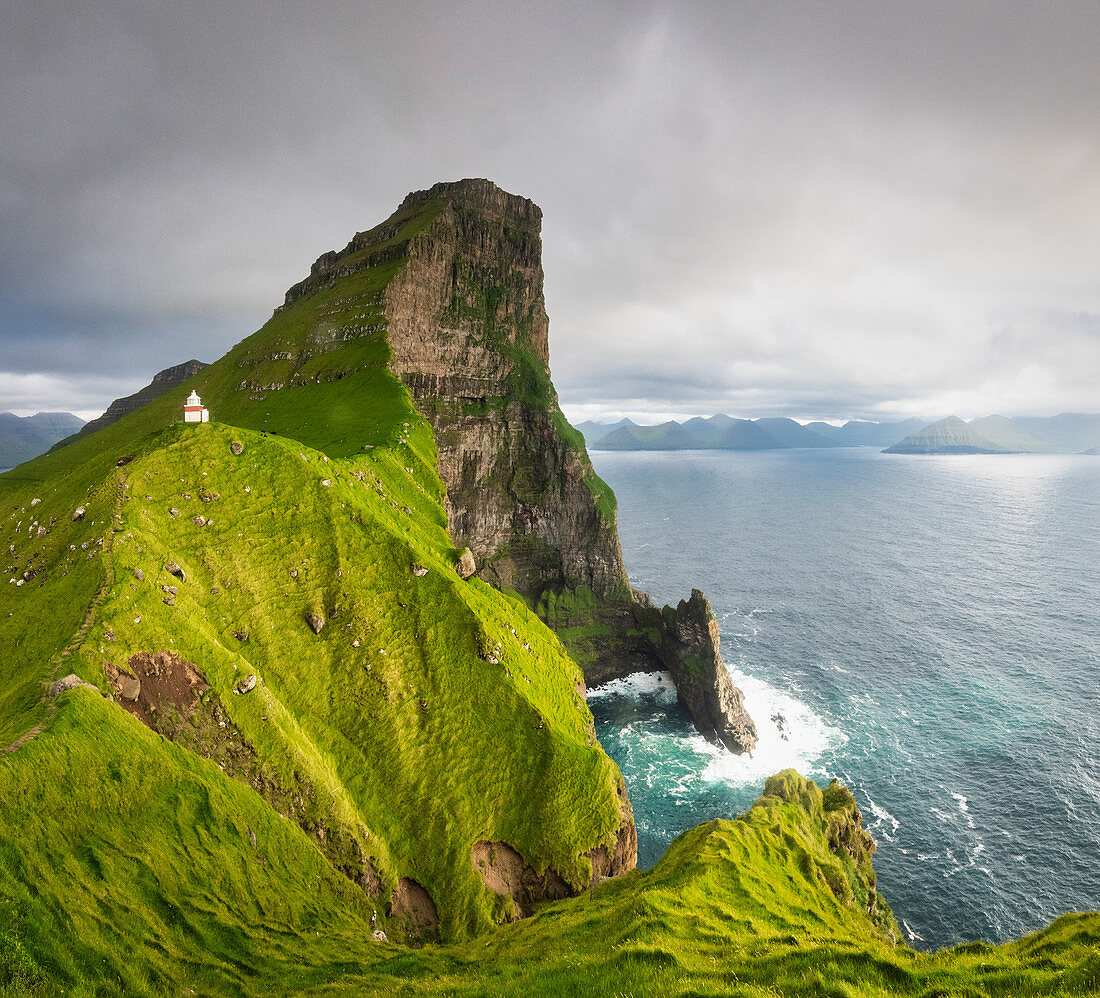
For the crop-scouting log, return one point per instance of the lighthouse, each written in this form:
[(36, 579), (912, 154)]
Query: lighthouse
[(194, 411)]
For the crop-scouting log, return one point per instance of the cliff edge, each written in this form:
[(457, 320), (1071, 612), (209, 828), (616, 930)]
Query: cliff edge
[(467, 326)]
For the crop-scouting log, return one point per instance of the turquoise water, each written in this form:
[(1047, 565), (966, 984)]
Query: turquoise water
[(929, 630)]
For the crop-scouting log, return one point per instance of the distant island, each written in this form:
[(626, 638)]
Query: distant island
[(1067, 433)]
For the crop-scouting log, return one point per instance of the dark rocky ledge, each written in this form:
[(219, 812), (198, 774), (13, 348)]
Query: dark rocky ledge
[(690, 650)]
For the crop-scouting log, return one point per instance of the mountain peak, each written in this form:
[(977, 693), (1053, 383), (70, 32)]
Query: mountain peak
[(475, 192)]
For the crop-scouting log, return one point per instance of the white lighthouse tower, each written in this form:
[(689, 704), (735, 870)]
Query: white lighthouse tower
[(194, 411)]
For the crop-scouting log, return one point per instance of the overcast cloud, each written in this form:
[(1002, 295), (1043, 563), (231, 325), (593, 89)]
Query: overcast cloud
[(808, 209)]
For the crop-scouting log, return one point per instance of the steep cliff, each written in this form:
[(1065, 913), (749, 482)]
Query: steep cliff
[(467, 326)]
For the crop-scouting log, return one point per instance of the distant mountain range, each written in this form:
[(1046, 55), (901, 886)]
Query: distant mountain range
[(1068, 433), (723, 432), (24, 437)]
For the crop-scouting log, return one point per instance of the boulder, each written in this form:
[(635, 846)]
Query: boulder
[(78, 513), (236, 448), (246, 685), (379, 936), (315, 622), (128, 687), (139, 575), (419, 571), (70, 682), (173, 569), (466, 565)]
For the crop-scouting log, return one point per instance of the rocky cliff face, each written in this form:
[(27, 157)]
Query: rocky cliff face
[(467, 325), (690, 651), (469, 334)]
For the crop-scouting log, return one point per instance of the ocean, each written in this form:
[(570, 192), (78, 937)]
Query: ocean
[(925, 629)]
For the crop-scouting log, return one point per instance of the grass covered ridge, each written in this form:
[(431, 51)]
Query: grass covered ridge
[(772, 903)]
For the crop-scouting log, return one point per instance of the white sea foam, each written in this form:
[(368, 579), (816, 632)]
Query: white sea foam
[(882, 816), (963, 809), (658, 684), (808, 735)]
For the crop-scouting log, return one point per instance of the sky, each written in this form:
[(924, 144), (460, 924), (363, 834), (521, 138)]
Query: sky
[(817, 210)]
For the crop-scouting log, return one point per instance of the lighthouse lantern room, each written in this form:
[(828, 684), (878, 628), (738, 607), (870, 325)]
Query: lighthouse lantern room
[(194, 411)]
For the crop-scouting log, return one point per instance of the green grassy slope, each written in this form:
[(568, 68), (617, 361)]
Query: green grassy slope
[(390, 722), (428, 714), (774, 903)]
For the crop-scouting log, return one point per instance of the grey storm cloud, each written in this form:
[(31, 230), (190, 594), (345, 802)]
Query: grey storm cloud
[(819, 210)]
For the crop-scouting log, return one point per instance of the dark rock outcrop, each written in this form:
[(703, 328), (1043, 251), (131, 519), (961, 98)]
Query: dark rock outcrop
[(703, 683)]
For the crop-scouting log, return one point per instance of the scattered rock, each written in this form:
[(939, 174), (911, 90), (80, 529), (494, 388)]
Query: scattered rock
[(466, 565), (168, 600), (173, 512), (170, 590), (78, 513), (128, 687), (379, 936), (236, 448), (139, 575), (247, 684), (315, 622), (327, 482), (70, 682), (419, 571), (35, 501), (199, 521), (294, 573), (241, 635)]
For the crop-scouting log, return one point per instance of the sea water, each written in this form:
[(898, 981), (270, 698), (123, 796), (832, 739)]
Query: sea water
[(925, 629)]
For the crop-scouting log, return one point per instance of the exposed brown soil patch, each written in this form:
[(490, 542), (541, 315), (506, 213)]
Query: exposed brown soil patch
[(505, 872), (623, 856), (166, 692), (414, 906)]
